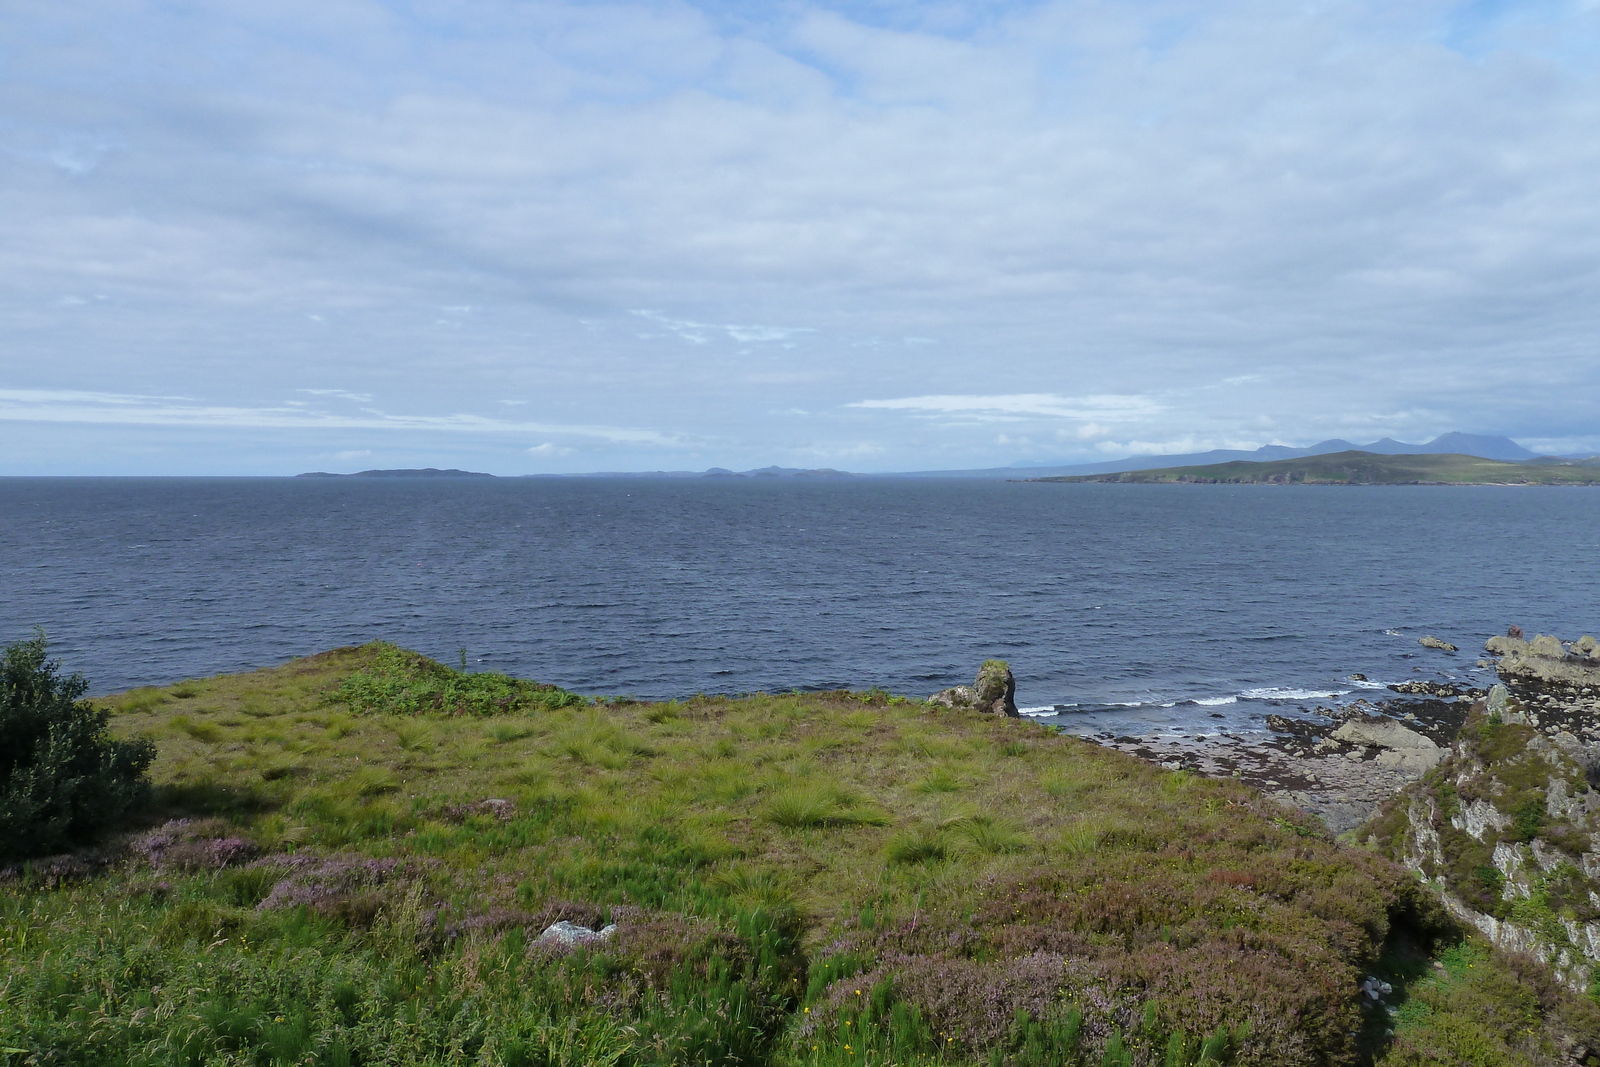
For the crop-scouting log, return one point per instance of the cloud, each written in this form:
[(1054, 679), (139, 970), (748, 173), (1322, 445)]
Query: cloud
[(365, 398), (1047, 405), (27, 405), (1326, 216), (701, 332), (549, 449)]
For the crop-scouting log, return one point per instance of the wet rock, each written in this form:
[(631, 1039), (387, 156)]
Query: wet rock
[(1429, 641), (1419, 687)]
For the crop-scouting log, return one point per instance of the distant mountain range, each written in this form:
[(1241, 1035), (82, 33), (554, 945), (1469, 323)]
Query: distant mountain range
[(1461, 444), (1457, 444), (1354, 467)]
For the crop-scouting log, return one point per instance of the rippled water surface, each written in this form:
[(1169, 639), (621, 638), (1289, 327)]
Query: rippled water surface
[(1110, 601)]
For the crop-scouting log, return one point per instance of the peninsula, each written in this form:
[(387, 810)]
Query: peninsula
[(1361, 468)]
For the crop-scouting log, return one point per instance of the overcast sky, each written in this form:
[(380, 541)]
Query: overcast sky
[(261, 238)]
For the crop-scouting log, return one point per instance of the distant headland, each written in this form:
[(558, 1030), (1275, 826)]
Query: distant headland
[(1450, 459), (1356, 467)]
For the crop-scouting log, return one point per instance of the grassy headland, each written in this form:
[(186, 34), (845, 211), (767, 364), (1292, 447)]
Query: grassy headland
[(364, 847), (1360, 468)]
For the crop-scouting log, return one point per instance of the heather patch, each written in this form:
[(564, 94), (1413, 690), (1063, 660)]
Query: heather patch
[(194, 845)]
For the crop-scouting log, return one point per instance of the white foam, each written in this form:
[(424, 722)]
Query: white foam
[(1271, 693), (1394, 633), (1038, 713), (1216, 702)]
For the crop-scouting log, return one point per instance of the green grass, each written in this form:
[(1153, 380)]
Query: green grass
[(789, 891)]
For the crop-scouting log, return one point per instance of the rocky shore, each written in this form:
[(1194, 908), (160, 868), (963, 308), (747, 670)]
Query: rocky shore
[(1345, 764), (1489, 795)]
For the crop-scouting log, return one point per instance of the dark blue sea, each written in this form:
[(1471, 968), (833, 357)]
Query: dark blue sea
[(1122, 608)]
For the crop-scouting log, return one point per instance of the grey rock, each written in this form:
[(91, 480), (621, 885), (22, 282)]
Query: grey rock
[(994, 692), (997, 688), (1429, 641), (1498, 702), (568, 934), (1501, 645), (961, 696), (1547, 645), (1383, 733)]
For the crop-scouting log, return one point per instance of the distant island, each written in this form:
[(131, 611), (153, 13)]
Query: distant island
[(1356, 467), (423, 472)]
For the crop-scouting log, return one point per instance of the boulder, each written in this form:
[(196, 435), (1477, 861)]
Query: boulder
[(1547, 645), (1383, 733), (994, 692), (1505, 646), (1400, 748), (1429, 641), (567, 934)]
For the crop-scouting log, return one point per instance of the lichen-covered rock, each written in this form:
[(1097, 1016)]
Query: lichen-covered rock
[(997, 688), (960, 696), (567, 934), (994, 692), (1507, 829), (1429, 641)]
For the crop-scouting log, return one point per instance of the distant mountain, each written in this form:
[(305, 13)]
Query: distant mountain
[(713, 472), (424, 472), (1465, 444), (1356, 467)]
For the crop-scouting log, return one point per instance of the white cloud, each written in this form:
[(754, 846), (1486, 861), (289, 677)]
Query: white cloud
[(365, 398), (701, 332), (1326, 217), (28, 405), (1111, 407), (549, 449)]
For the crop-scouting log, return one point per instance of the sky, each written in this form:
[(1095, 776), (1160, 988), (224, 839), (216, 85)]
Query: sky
[(523, 237)]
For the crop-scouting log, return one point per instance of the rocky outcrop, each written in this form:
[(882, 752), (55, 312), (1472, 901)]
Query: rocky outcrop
[(1429, 641), (994, 692), (1547, 661), (1507, 827)]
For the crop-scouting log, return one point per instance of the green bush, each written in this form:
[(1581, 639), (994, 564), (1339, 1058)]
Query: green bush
[(401, 682), (62, 778)]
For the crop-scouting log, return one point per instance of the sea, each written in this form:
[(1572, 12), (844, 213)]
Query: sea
[(1146, 610)]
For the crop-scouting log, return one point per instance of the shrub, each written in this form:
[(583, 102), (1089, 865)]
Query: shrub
[(61, 777), (400, 682)]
